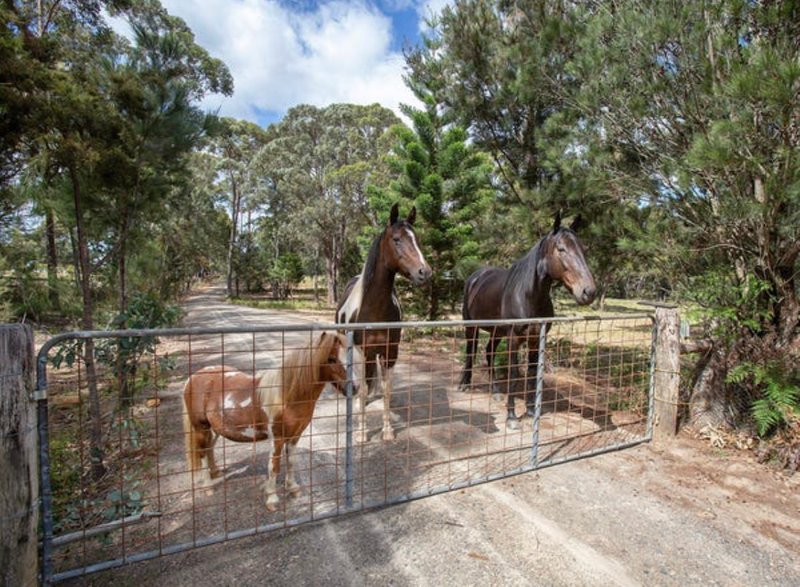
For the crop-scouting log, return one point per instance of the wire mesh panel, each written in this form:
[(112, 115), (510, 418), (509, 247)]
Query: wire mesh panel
[(124, 490)]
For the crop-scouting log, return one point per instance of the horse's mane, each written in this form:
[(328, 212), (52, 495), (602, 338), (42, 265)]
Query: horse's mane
[(370, 265), (299, 372), (525, 270)]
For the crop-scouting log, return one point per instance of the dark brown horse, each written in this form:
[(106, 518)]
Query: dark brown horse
[(370, 297), (523, 291), (277, 406)]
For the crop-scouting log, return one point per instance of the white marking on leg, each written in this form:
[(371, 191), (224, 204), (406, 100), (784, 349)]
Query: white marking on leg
[(270, 492), (292, 485), (386, 385)]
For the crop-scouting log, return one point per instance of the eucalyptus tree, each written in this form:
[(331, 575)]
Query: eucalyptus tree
[(233, 148), (95, 143), (318, 166), (155, 87)]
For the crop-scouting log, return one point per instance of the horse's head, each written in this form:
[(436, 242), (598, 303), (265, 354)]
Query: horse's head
[(566, 262), (400, 248), (333, 369)]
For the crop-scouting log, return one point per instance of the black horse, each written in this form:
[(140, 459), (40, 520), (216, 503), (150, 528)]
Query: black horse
[(523, 291)]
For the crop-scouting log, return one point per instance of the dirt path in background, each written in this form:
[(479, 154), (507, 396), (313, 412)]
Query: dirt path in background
[(681, 514)]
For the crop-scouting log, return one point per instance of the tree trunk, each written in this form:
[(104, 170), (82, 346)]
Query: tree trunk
[(122, 359), (95, 415), (330, 272), (709, 402), (316, 275), (433, 298), (52, 259), (233, 235)]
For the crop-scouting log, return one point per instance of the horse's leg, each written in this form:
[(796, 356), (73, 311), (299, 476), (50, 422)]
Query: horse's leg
[(292, 486), (361, 424), (471, 335), (491, 347), (386, 385), (273, 468), (533, 370), (209, 442), (513, 372)]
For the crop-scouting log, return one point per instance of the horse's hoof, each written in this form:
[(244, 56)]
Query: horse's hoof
[(295, 491), (272, 508), (388, 435), (512, 424), (215, 473)]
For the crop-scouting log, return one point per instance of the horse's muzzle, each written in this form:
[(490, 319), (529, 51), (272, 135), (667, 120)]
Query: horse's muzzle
[(421, 275), (586, 295)]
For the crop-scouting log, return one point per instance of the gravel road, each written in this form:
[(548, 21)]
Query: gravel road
[(677, 514)]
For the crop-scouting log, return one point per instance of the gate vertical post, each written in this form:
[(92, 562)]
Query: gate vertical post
[(539, 391), (19, 488), (666, 373), (348, 455)]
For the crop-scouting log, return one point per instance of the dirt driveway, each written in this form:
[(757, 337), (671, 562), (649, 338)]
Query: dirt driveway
[(677, 514)]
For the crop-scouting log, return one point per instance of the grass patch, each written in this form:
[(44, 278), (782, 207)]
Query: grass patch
[(294, 305)]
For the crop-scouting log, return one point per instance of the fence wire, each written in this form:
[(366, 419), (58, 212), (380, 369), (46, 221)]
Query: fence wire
[(122, 490)]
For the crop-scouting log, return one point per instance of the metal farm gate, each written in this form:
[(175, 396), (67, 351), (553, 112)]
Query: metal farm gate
[(116, 487)]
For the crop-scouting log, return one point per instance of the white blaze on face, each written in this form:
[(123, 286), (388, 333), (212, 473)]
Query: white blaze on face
[(413, 238), (230, 403)]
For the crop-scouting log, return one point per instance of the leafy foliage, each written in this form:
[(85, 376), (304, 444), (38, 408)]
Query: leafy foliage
[(779, 399), (448, 181)]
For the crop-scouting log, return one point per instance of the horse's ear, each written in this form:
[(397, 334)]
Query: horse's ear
[(557, 221), (394, 214), (412, 216), (577, 223), (322, 336)]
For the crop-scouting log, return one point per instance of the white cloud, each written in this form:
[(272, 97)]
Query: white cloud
[(279, 57), (428, 8)]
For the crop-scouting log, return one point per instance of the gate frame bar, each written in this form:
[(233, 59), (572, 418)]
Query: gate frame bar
[(39, 395)]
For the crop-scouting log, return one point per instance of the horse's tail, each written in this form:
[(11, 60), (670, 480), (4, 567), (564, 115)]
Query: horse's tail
[(464, 301), (190, 436)]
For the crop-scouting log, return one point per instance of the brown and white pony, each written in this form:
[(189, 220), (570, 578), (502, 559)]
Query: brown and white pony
[(276, 406), (370, 297)]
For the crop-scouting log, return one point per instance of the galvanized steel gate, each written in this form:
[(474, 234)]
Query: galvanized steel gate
[(593, 394)]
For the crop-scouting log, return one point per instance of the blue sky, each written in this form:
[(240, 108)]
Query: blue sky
[(287, 52)]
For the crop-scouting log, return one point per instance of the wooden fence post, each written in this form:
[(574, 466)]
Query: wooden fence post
[(666, 373), (19, 480)]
